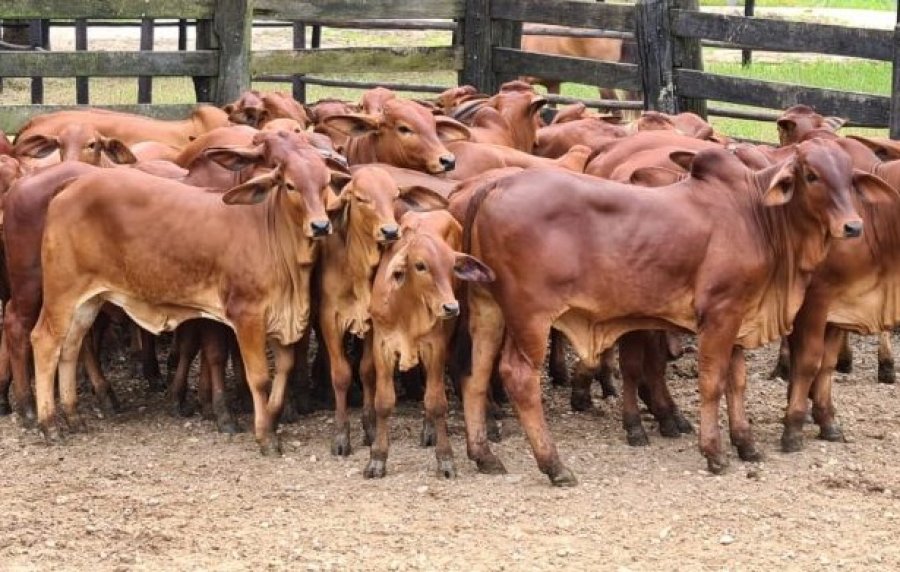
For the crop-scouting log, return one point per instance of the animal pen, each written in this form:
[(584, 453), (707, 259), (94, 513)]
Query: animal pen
[(484, 51)]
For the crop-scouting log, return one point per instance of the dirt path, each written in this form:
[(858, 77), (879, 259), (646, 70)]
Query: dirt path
[(144, 491)]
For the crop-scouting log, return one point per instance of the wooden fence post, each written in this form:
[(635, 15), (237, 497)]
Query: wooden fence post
[(506, 34), (747, 55), (298, 86), (895, 86), (688, 54), (145, 83), (655, 49), (82, 83), (478, 64), (233, 25), (203, 86)]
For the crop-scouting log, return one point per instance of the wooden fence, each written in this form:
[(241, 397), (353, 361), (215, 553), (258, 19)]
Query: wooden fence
[(485, 51)]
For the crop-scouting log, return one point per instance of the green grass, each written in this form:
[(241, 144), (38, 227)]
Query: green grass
[(856, 4)]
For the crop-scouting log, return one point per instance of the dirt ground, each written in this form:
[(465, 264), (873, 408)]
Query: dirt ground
[(146, 491)]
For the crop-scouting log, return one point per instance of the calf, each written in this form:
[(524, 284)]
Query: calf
[(243, 258), (413, 305), (256, 109), (664, 261)]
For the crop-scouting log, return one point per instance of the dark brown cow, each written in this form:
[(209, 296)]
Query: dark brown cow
[(413, 304), (243, 258), (664, 260)]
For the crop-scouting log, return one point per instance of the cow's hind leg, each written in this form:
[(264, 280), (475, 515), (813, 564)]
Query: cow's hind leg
[(18, 321), (605, 373), (845, 356), (557, 367), (82, 319), (436, 412), (631, 357), (823, 406), (341, 378), (385, 400), (107, 401), (582, 378), (186, 346), (5, 377), (214, 340), (885, 358), (738, 423), (149, 361)]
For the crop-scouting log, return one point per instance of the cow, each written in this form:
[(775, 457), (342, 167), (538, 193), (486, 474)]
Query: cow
[(128, 128), (73, 142), (510, 118), (665, 260), (620, 157), (475, 158), (796, 121), (243, 257), (256, 109), (412, 307)]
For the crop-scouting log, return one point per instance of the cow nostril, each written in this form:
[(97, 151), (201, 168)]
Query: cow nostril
[(390, 232), (448, 162), (320, 227), (450, 308), (853, 229)]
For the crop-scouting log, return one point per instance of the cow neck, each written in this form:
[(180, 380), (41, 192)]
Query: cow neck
[(363, 149), (293, 255), (361, 257)]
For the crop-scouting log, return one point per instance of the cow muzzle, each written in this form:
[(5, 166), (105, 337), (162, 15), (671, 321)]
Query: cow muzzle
[(449, 310), (320, 228), (448, 162), (388, 233)]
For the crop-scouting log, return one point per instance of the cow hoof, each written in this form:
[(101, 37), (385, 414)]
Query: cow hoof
[(494, 431), (832, 433), (28, 414), (717, 464), (886, 372), (182, 409), (749, 453), (637, 437), (108, 403), (52, 433), (75, 423), (791, 441), (490, 466), (563, 477), (606, 384), (5, 408), (270, 447), (446, 469), (581, 402), (845, 365), (340, 446), (683, 424), (428, 437), (207, 413), (376, 469), (668, 427)]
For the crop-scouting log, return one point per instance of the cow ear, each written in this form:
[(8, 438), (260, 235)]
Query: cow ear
[(353, 125), (683, 159), (874, 189), (229, 108), (834, 123), (396, 269), (254, 190), (537, 102), (117, 151), (335, 162), (420, 198), (885, 149), (450, 130), (338, 195), (778, 181), (235, 158), (471, 269), (785, 129), (36, 146), (655, 176)]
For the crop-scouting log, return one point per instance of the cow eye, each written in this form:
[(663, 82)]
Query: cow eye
[(362, 199), (811, 177), (397, 275), (92, 145), (403, 129), (420, 266), (290, 186)]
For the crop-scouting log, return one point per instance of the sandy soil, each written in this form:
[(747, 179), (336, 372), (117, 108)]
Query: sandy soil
[(145, 491)]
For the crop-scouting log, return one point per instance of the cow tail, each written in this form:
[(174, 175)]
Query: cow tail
[(460, 363)]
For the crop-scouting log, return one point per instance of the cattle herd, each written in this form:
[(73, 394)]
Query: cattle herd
[(459, 236)]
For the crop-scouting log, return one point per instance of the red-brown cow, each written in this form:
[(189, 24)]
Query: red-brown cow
[(664, 260)]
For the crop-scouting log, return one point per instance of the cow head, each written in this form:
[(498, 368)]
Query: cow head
[(249, 109), (76, 142), (406, 134), (372, 101), (521, 110), (423, 265), (798, 120), (298, 173)]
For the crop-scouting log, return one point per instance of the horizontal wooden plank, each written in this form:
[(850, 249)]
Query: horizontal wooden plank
[(358, 9), (577, 70), (108, 9), (108, 64), (13, 117), (355, 60), (784, 36), (329, 82), (566, 13), (862, 109)]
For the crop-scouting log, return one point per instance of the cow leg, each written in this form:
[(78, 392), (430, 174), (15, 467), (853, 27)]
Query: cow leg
[(486, 331), (81, 322), (106, 397), (738, 423), (187, 342), (252, 342), (783, 364), (885, 358), (385, 400), (367, 378), (807, 348), (204, 389), (298, 382), (522, 380), (656, 352), (214, 339), (18, 322), (582, 379), (149, 361), (845, 356), (244, 397), (605, 373), (715, 346), (823, 406), (631, 356), (5, 376), (341, 378), (557, 368), (436, 410)]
